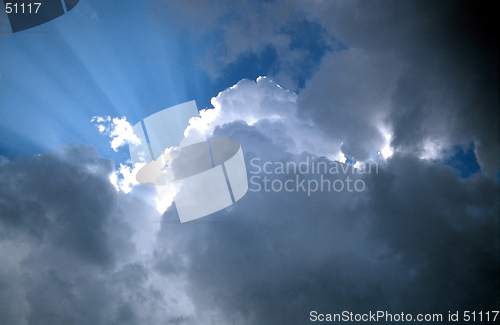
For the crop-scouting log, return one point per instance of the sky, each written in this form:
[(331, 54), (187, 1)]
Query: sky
[(410, 87)]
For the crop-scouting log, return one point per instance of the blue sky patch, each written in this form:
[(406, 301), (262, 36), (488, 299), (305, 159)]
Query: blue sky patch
[(463, 160)]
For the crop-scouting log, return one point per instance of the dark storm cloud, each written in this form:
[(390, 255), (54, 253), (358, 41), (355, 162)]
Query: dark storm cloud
[(450, 91), (65, 246), (65, 199), (424, 71), (419, 239), (443, 228), (429, 68)]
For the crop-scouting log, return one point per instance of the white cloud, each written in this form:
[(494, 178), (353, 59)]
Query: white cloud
[(272, 110), (118, 129)]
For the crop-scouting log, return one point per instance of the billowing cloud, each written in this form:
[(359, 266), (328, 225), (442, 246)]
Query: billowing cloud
[(73, 246), (273, 111), (399, 245), (80, 245), (417, 238), (422, 72)]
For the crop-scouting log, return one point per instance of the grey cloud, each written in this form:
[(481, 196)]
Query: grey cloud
[(66, 246), (410, 243), (62, 198), (348, 99), (433, 74), (425, 71), (423, 212)]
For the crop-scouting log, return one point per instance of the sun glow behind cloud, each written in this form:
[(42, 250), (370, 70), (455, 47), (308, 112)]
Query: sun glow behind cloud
[(432, 149), (386, 151)]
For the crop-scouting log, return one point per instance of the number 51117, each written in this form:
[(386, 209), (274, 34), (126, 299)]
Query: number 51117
[(13, 8)]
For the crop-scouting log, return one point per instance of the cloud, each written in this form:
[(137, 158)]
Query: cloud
[(273, 111), (409, 242), (118, 129), (424, 68), (349, 98), (73, 247), (417, 239), (419, 71)]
